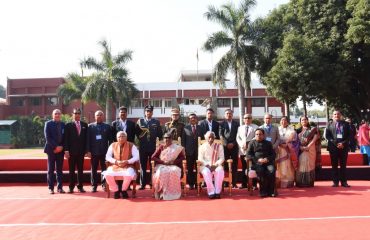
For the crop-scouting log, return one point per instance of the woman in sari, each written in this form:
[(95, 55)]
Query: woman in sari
[(287, 154), (166, 179), (308, 137)]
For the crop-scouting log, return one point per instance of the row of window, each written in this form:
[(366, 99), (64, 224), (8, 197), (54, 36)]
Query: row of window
[(34, 101), (221, 102)]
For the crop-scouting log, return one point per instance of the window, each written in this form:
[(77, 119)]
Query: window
[(156, 102), (258, 102), (235, 102), (17, 102), (224, 102), (137, 103), (193, 101), (52, 101), (167, 103), (35, 101)]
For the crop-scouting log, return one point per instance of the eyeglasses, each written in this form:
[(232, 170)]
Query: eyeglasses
[(77, 113), (247, 118)]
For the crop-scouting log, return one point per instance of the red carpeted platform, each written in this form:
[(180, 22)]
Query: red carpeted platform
[(322, 212)]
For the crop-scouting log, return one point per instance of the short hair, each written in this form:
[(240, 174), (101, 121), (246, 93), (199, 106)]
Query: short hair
[(121, 133), (285, 118), (208, 134), (210, 109), (99, 112), (260, 129), (56, 110), (229, 110), (123, 108), (74, 110), (192, 115)]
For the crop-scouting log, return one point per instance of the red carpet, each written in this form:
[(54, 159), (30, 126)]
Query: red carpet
[(323, 212)]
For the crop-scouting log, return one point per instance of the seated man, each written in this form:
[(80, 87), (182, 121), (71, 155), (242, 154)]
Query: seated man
[(166, 180), (122, 154), (262, 154), (211, 156)]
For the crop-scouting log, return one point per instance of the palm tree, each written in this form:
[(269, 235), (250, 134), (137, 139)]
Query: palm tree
[(236, 34), (110, 82), (73, 89)]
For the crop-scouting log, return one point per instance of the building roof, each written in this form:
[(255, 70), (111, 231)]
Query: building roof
[(7, 122)]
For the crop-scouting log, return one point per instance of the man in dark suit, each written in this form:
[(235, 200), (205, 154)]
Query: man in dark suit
[(53, 132), (228, 132), (75, 136), (147, 131), (123, 124), (337, 133), (209, 124), (99, 137), (189, 141)]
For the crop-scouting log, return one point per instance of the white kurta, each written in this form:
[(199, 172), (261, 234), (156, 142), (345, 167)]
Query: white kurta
[(128, 174), (205, 154)]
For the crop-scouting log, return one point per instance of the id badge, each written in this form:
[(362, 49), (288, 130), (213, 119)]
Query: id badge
[(268, 139), (339, 135), (98, 137)]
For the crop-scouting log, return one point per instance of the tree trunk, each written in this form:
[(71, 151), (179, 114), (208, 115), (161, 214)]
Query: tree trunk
[(82, 111), (241, 96), (287, 112), (108, 111), (304, 107)]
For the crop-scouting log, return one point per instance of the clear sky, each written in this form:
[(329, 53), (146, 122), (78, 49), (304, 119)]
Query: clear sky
[(46, 38)]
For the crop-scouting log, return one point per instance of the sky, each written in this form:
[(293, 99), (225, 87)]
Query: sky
[(46, 38)]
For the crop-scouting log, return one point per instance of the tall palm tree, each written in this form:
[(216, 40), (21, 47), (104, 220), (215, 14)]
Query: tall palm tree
[(236, 36), (109, 84), (73, 89)]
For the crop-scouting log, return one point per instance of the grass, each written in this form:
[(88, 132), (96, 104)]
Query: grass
[(29, 152)]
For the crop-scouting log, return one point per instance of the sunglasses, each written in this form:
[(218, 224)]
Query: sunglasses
[(247, 118)]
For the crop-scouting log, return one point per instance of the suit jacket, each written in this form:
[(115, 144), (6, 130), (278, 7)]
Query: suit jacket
[(51, 136), (74, 143), (147, 133), (243, 137), (130, 130), (205, 128), (189, 141), (99, 137), (331, 135), (273, 133), (229, 135)]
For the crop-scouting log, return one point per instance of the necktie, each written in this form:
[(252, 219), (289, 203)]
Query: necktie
[(194, 131), (246, 131), (78, 127), (59, 129)]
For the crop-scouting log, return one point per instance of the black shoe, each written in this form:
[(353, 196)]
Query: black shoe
[(345, 185), (94, 189), (70, 190), (212, 196), (61, 190), (235, 186), (124, 194), (51, 191), (243, 186), (217, 196), (116, 195), (273, 195), (81, 190), (335, 185), (141, 187), (263, 194)]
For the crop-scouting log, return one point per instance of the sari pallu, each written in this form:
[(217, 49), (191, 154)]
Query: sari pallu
[(305, 175)]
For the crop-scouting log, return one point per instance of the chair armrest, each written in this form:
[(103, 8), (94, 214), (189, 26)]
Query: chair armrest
[(229, 163), (184, 165)]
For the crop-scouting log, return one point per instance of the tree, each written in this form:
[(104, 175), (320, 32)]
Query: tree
[(73, 89), (236, 36), (2, 91), (110, 83)]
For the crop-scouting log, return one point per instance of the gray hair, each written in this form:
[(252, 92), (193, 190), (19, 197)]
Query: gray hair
[(121, 133), (99, 112), (208, 134)]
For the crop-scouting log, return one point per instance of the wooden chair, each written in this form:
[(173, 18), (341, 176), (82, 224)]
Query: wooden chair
[(228, 175), (250, 179), (183, 178), (133, 182)]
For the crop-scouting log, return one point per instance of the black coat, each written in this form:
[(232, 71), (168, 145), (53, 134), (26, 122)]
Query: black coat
[(130, 130), (74, 143)]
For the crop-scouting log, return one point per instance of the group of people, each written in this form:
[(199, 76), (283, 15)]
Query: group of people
[(279, 156)]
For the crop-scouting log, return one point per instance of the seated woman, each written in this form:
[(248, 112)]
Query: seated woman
[(166, 179), (287, 154), (308, 137)]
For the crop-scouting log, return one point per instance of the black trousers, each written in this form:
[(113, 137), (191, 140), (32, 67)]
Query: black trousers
[(95, 161), (55, 162), (233, 154), (244, 167), (266, 175), (191, 165), (145, 157), (73, 162), (339, 156)]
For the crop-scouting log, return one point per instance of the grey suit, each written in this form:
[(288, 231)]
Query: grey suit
[(272, 135)]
